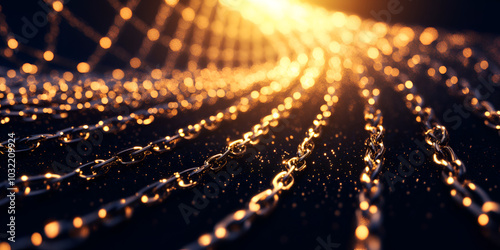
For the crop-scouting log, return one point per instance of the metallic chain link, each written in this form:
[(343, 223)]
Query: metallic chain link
[(239, 222), (466, 193), (112, 213), (368, 213), (118, 123), (36, 185), (461, 87)]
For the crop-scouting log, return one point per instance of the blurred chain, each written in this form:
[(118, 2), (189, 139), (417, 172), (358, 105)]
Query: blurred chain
[(460, 86), (143, 117), (67, 234), (36, 185), (368, 213), (466, 193), (187, 178), (62, 94)]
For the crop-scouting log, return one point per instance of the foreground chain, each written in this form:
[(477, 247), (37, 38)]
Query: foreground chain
[(369, 214), (65, 234), (237, 223), (464, 191)]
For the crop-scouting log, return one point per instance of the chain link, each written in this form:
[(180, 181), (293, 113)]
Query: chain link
[(261, 204), (368, 214), (461, 87), (118, 123), (182, 180), (463, 191), (137, 154)]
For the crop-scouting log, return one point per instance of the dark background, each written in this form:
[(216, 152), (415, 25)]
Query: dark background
[(459, 15), (418, 214)]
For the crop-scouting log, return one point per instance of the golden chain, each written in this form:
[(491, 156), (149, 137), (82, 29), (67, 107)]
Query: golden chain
[(36, 185), (114, 212), (465, 192), (261, 204), (368, 213)]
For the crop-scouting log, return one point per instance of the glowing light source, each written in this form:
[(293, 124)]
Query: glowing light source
[(52, 229), (12, 43), (205, 240), (153, 34), (126, 13), (57, 6), (362, 232), (77, 222), (48, 55), (428, 36), (105, 42), (102, 213), (83, 67), (175, 44), (483, 219), (36, 239)]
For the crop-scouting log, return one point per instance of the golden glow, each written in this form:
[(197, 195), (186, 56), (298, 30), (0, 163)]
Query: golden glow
[(52, 229), (57, 6), (156, 73), (365, 178), (102, 213), (36, 239), (4, 246), (83, 67), (450, 180), (135, 62), (204, 240), (442, 69), (153, 34), (188, 14), (220, 232), (175, 44), (118, 74), (484, 64), (364, 205), (126, 13), (467, 201), (362, 232), (48, 55), (77, 222), (490, 206), (409, 84), (239, 215), (105, 42), (373, 53), (467, 52), (171, 2), (283, 15), (29, 68), (431, 72), (483, 219), (12, 43), (322, 42), (428, 36)]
